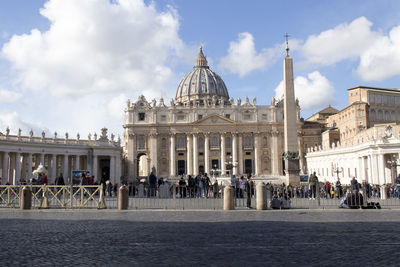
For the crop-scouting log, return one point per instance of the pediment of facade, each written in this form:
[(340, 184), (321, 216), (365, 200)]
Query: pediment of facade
[(215, 119)]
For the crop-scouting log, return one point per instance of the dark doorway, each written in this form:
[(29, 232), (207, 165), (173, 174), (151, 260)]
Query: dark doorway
[(201, 169), (248, 166), (181, 167), (215, 164)]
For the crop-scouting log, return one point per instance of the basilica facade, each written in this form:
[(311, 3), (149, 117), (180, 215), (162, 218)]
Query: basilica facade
[(203, 130)]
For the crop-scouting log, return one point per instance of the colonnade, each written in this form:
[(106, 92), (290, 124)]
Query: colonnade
[(373, 168), (18, 166)]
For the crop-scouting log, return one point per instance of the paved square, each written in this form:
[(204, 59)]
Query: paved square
[(200, 238)]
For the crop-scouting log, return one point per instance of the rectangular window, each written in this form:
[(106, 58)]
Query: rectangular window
[(141, 116), (181, 117), (200, 117), (247, 117), (264, 117), (228, 116), (163, 118)]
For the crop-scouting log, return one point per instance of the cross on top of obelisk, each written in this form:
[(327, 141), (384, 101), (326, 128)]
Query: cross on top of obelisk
[(287, 43)]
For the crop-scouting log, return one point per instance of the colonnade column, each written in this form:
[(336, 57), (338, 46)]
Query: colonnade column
[(65, 168), (113, 179), (42, 159), (234, 154), (256, 155), (223, 155), (17, 174), (207, 153), (362, 170), (381, 168), (370, 176), (240, 154), (172, 168), (54, 166), (195, 156), (189, 154), (94, 171), (29, 167), (77, 160), (5, 168)]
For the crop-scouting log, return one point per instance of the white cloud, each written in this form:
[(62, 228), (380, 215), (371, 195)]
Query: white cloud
[(243, 58), (9, 96), (382, 58), (13, 121), (378, 53), (77, 73), (313, 91), (342, 42), (97, 46)]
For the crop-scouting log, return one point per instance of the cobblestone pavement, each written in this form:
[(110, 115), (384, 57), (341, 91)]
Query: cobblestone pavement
[(200, 238)]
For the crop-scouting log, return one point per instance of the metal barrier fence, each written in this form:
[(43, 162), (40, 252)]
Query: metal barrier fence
[(180, 198), (53, 196)]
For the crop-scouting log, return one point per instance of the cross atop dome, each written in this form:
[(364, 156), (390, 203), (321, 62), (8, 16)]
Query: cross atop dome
[(201, 60)]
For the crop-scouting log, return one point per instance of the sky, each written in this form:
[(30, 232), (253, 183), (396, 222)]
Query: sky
[(70, 66)]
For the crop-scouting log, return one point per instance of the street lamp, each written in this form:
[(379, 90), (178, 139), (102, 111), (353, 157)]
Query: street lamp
[(393, 166), (336, 170), (230, 165)]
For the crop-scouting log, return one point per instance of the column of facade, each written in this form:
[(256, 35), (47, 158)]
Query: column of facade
[(65, 168), (113, 179), (275, 153), (257, 159), (17, 175), (240, 154), (189, 155), (172, 167), (29, 172), (223, 155), (381, 168), (234, 154), (4, 174), (132, 161), (195, 156), (54, 166), (207, 153), (94, 170), (154, 152)]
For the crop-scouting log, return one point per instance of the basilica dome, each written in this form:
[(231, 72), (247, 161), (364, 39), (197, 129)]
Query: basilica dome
[(201, 84)]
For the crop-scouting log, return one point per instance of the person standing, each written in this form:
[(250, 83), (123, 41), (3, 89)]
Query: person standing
[(312, 181), (248, 190)]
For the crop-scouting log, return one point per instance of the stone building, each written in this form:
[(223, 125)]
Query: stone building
[(362, 140), (203, 130), (20, 155)]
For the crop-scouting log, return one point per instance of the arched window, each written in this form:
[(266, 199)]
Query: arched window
[(265, 141), (228, 142), (214, 141), (372, 114), (142, 143), (201, 142), (181, 142), (247, 141), (163, 143)]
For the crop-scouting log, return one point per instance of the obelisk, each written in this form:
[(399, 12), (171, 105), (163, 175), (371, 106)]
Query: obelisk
[(291, 153)]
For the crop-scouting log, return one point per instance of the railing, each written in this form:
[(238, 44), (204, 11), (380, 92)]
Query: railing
[(54, 196), (182, 197)]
